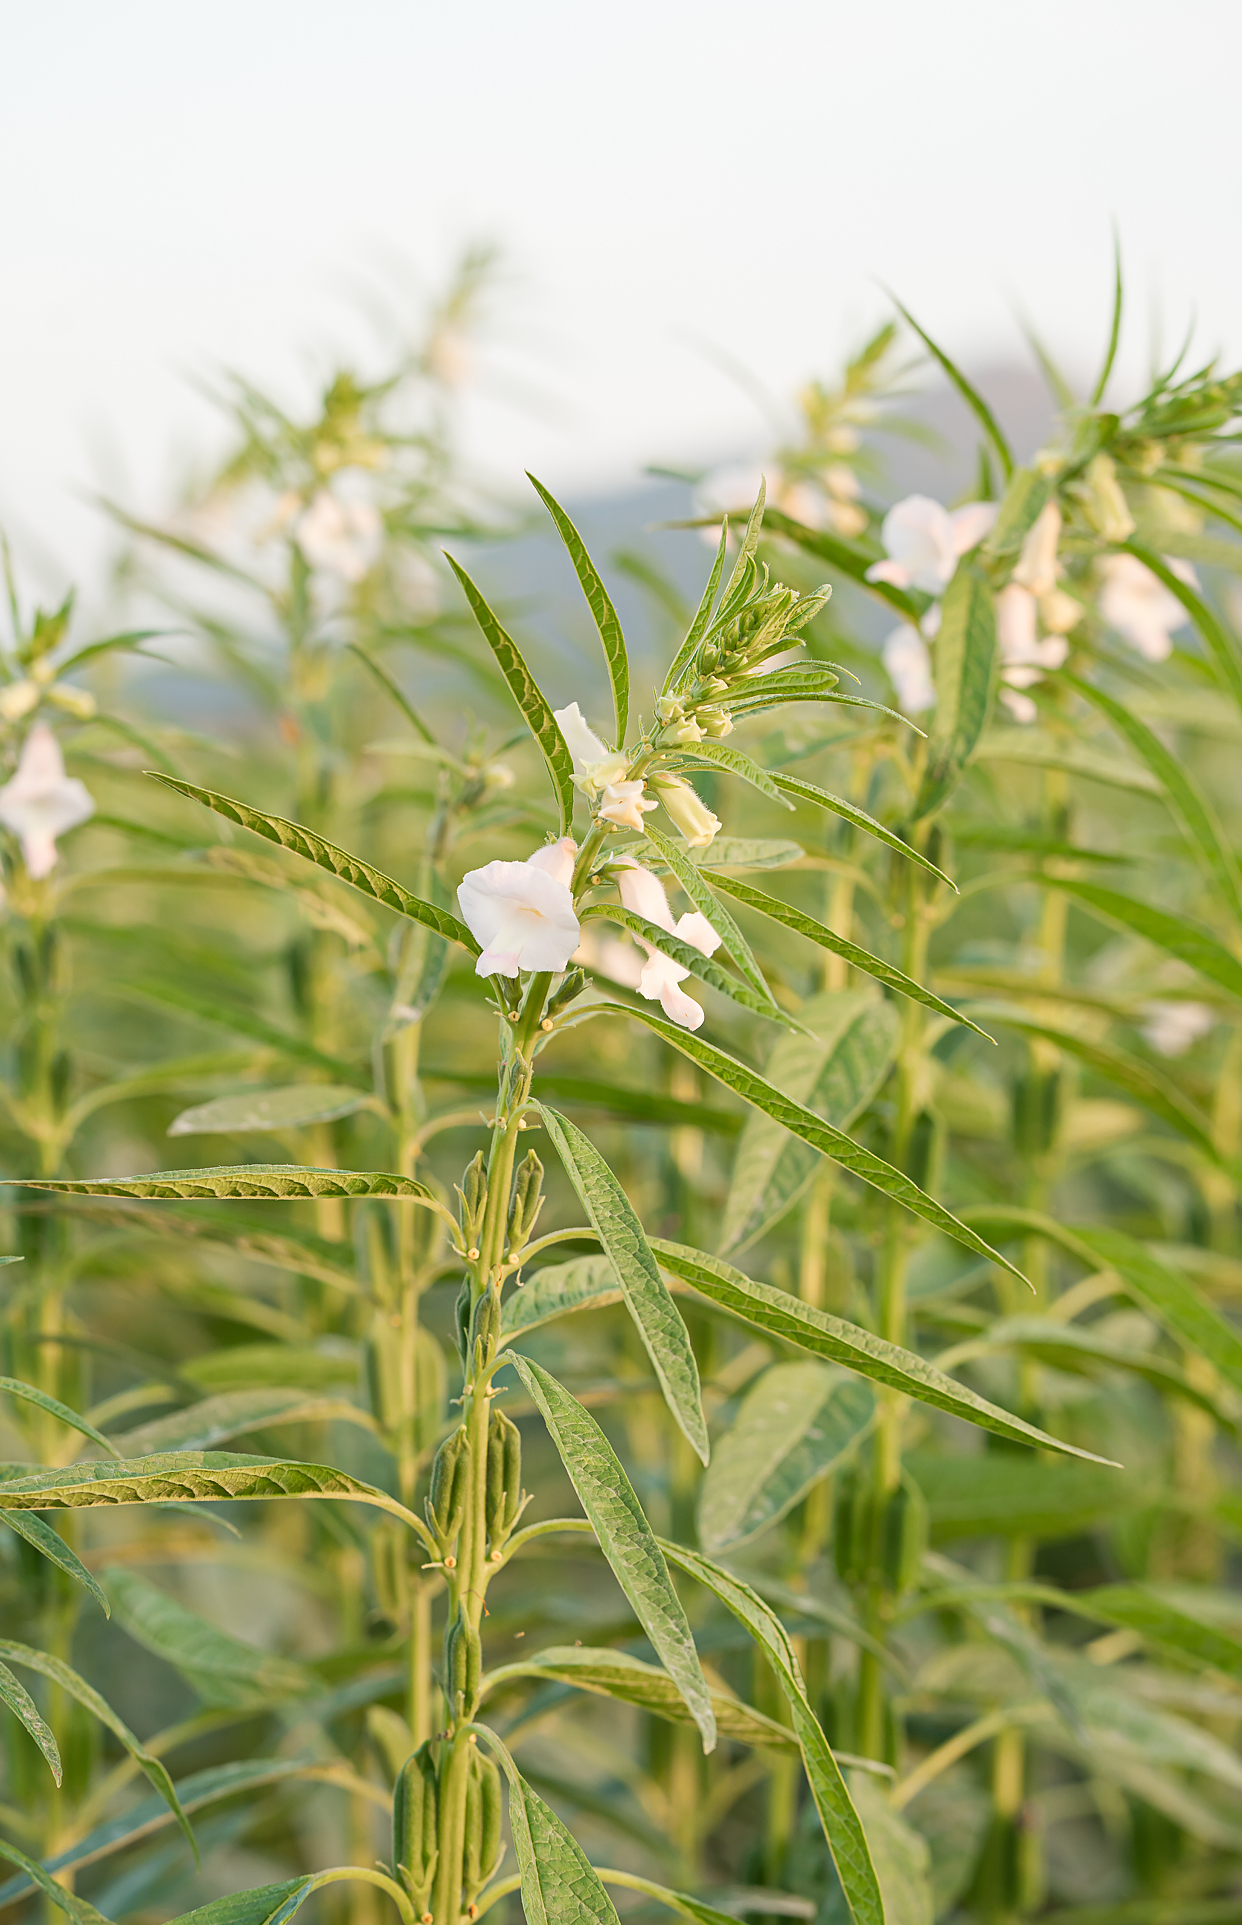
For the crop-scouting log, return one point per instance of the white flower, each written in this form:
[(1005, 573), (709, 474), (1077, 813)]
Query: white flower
[(595, 764), (622, 804), (1139, 606), (522, 912), (1037, 565), (1024, 657), (1020, 706), (612, 956), (340, 537), (1171, 1028), (41, 801), (691, 815), (643, 895), (924, 541), (908, 662)]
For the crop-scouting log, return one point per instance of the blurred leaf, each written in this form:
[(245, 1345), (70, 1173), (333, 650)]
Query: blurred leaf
[(1021, 506), (529, 697), (1010, 1496), (616, 1674), (273, 1181), (222, 1669), (796, 1424), (964, 667), (65, 1901), (1046, 751), (804, 791), (600, 604), (242, 1022), (390, 688), (273, 1109), (244, 1908), (978, 407), (30, 1394), (1075, 1347), (1220, 643), (1192, 944), (657, 1318), (624, 1535), (851, 558), (900, 1855), (215, 1420)]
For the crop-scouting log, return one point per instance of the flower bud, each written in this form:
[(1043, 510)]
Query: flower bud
[(503, 1502), (484, 1847), (18, 698), (415, 1825), (450, 1475), (463, 1664), (1104, 503), (669, 708), (573, 985), (714, 722), (78, 702), (691, 815), (527, 1200)]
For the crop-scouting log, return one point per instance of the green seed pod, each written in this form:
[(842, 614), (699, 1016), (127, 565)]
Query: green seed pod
[(463, 1664), (905, 1536), (851, 1526), (415, 1824), (527, 1200), (461, 1313), (473, 1193), (450, 1474), (484, 1847), (504, 1476), (485, 1328)]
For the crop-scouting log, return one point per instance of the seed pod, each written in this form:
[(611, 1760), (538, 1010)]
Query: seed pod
[(463, 1664), (485, 1328), (905, 1536), (450, 1474), (415, 1824), (473, 1193), (851, 1526), (504, 1476), (461, 1313), (527, 1200), (484, 1848)]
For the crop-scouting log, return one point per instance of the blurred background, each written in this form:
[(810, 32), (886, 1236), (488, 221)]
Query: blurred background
[(695, 207)]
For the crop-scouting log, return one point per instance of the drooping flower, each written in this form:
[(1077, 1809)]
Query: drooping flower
[(1171, 1028), (613, 956), (908, 662), (340, 537), (691, 815), (924, 541), (1139, 606), (622, 804), (596, 766), (523, 912), (643, 895), (41, 802)]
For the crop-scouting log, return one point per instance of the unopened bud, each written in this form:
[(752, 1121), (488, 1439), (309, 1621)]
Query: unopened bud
[(485, 1327), (573, 985)]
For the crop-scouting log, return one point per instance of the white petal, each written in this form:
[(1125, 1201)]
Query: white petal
[(908, 664), (581, 740), (918, 536), (696, 929), (971, 523), (643, 894), (523, 916), (556, 859), (1015, 624)]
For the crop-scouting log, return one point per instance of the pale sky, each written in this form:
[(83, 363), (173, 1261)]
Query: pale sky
[(197, 184)]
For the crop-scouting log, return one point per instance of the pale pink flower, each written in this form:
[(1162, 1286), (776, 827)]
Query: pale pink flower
[(908, 662), (595, 764), (643, 895), (924, 541), (691, 815), (523, 912), (41, 802), (1037, 567), (1139, 606), (340, 537), (1171, 1028), (622, 804)]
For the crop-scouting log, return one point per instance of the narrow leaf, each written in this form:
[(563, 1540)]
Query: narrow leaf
[(974, 401), (750, 541), (271, 1109), (851, 558), (734, 762), (390, 688), (560, 1886), (1215, 634), (624, 1535), (224, 1670), (734, 942), (804, 791), (529, 697), (1021, 506), (1155, 1092), (698, 626), (14, 1693), (705, 968), (796, 1425), (38, 1532), (600, 604), (30, 1394), (1114, 332), (964, 665), (65, 1901), (304, 842), (271, 1181), (255, 1907), (1189, 941), (616, 1674), (659, 1322)]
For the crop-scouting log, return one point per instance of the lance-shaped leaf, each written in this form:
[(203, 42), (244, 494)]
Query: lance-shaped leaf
[(797, 1424), (835, 1073), (647, 1298), (14, 1694), (215, 1420), (1189, 941), (600, 605), (78, 1909), (743, 572), (899, 1853), (584, 1283), (1162, 1622), (709, 905), (778, 1314), (624, 1535), (852, 558), (241, 1021), (270, 1109), (964, 666), (812, 1129), (39, 1533), (68, 1680), (698, 627), (560, 1886), (617, 1674), (224, 1670), (816, 932), (694, 1909), (840, 1821), (804, 791), (395, 694), (527, 694), (1077, 1348), (739, 852), (31, 1394), (1186, 799), (704, 968), (255, 1907), (1215, 634), (970, 395), (304, 842), (719, 755), (274, 1182), (1023, 503)]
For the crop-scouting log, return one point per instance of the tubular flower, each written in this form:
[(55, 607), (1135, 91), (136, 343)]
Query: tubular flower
[(643, 895), (691, 815), (924, 541), (1023, 656), (908, 663), (1139, 606), (340, 537), (41, 801), (596, 766), (523, 912), (622, 804)]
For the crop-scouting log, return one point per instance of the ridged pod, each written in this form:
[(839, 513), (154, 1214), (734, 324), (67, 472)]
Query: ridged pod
[(415, 1824), (450, 1476), (504, 1477)]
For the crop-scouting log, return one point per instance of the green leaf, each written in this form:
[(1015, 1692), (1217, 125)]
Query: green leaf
[(223, 1670), (272, 1181), (965, 661), (624, 1536), (647, 1298), (560, 1886), (390, 688), (1215, 634), (1174, 1300), (704, 968), (30, 1394), (1034, 746), (39, 1533), (741, 852), (600, 604), (793, 1321), (304, 842), (862, 959), (1021, 506), (214, 1420), (899, 1853), (835, 1075), (68, 1680), (14, 1693), (750, 542), (1189, 804), (1000, 1494), (695, 1909), (273, 1109), (1075, 1347), (1176, 935), (528, 696), (812, 1129), (254, 1907), (851, 558), (734, 942), (241, 1021), (797, 1424), (1160, 1622), (840, 1821), (1110, 355), (734, 762), (65, 1901), (804, 791), (698, 627), (585, 1283), (616, 1674), (974, 401)]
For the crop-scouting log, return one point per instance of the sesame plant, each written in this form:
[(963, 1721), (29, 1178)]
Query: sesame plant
[(765, 1448)]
